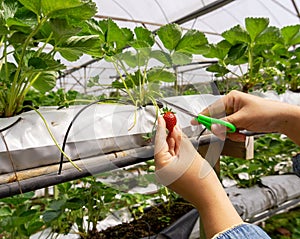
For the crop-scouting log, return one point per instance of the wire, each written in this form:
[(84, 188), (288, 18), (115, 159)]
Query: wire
[(285, 8), (162, 10), (72, 122), (11, 125)]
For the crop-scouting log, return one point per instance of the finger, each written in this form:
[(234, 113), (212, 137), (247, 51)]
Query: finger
[(177, 136), (160, 137), (237, 137), (219, 108), (194, 122), (171, 142)]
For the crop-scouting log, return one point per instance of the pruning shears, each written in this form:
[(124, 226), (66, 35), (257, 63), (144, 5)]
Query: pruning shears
[(203, 119)]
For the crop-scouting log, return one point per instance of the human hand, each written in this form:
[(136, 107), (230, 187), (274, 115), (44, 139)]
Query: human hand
[(174, 154), (246, 112)]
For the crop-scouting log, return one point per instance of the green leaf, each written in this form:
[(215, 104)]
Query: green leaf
[(120, 36), (43, 61), (34, 227), (80, 13), (162, 57), (160, 74), (291, 35), (74, 9), (51, 215), (62, 30), (138, 44), (5, 211), (271, 35), (75, 203), (94, 28), (193, 42), (144, 35), (140, 58), (5, 75), (129, 58), (237, 51), (217, 68), (236, 35), (37, 63), (32, 5), (255, 26), (170, 35), (219, 50), (76, 46), (46, 81), (57, 204), (181, 58)]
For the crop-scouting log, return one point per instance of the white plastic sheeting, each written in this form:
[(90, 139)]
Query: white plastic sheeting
[(100, 129)]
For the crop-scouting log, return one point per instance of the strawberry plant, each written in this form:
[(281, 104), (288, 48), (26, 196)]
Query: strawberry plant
[(141, 64), (258, 55), (32, 34)]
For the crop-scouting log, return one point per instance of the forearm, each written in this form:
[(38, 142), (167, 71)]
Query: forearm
[(209, 197), (289, 122)]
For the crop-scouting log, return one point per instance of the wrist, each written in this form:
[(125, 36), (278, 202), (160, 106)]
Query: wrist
[(289, 123)]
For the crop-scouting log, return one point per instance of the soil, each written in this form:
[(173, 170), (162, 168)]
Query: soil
[(150, 223)]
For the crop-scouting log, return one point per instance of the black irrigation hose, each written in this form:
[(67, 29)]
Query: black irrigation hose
[(72, 122), (11, 125)]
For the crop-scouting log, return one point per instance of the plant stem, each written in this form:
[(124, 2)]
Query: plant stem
[(123, 80), (16, 81), (53, 138)]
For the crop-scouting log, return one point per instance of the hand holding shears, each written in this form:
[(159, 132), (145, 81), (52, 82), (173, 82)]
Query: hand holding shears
[(206, 121)]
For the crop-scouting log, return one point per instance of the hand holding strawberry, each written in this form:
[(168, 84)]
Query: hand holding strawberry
[(170, 118)]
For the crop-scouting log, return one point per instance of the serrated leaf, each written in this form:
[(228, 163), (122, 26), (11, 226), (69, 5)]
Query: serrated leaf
[(75, 203), (44, 61), (62, 30), (193, 42), (46, 81), (76, 46), (291, 35), (37, 63), (236, 35), (237, 51), (57, 204), (137, 44), (219, 50), (95, 27), (49, 216), (140, 58), (34, 227), (160, 74), (5, 211), (162, 57), (63, 8), (255, 26), (32, 5), (144, 35), (217, 68), (271, 35), (10, 67), (170, 35), (129, 58), (119, 36), (181, 58)]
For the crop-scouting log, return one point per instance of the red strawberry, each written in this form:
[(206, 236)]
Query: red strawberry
[(170, 118)]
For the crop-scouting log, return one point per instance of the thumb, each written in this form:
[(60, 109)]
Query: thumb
[(160, 136)]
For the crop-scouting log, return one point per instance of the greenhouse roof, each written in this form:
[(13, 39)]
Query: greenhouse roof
[(208, 16)]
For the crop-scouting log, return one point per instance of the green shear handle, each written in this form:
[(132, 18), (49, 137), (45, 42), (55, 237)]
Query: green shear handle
[(208, 122), (202, 119)]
